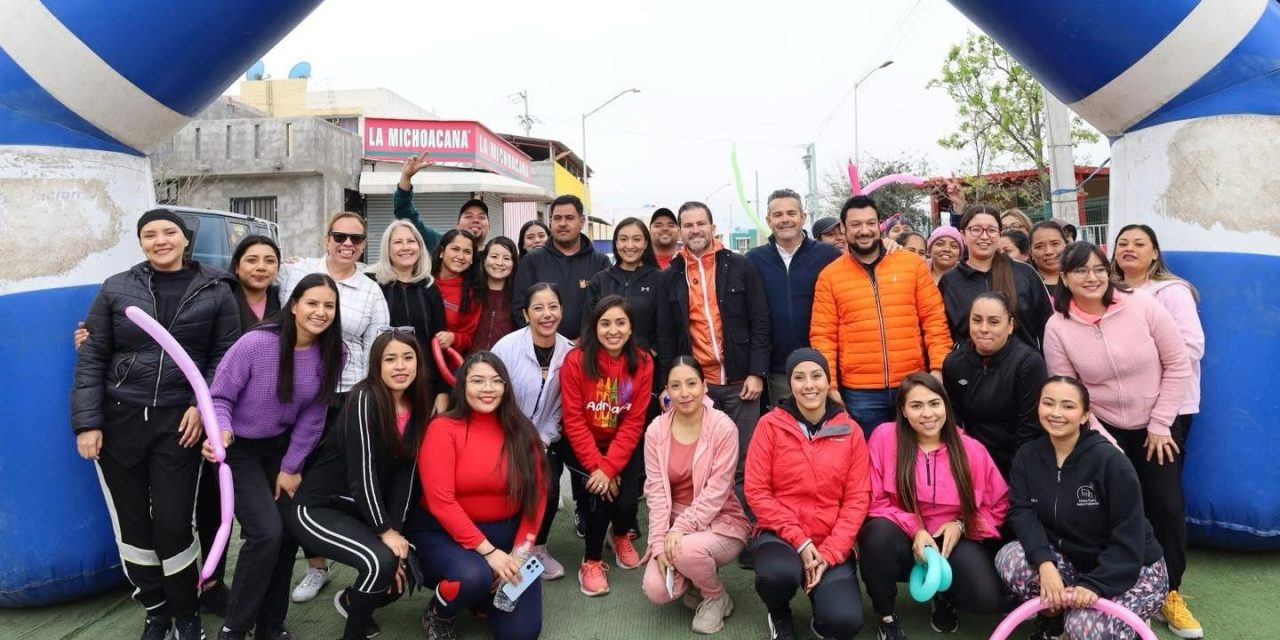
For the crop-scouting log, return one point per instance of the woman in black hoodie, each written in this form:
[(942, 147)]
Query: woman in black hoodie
[(1076, 507), (994, 381), (634, 276)]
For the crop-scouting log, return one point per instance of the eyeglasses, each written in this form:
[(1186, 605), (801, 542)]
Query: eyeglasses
[(342, 238), (386, 328), (1099, 272), (982, 231)]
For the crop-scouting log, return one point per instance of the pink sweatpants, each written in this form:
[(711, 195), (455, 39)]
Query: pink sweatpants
[(701, 555)]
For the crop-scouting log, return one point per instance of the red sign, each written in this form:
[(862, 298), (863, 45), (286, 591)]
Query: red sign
[(461, 143)]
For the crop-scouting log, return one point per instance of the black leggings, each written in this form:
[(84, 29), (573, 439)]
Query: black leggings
[(1162, 498), (837, 602), (887, 560), (260, 588), (600, 513)]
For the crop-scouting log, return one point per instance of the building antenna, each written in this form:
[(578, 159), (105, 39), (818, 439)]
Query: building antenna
[(526, 121)]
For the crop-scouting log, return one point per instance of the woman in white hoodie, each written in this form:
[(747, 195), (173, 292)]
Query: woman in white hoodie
[(533, 356)]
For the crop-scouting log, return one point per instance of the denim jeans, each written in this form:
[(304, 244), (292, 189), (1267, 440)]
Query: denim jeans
[(870, 407)]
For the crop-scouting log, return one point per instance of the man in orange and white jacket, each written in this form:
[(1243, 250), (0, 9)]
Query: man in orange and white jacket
[(877, 316)]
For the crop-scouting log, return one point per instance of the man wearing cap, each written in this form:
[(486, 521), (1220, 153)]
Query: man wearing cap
[(829, 231), (664, 232), (788, 265), (874, 315), (473, 216), (568, 260)]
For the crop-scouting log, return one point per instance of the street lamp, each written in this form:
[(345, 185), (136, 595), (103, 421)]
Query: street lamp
[(716, 190), (857, 140), (585, 170)]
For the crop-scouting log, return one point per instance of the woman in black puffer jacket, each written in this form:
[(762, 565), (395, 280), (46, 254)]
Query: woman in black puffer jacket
[(133, 412)]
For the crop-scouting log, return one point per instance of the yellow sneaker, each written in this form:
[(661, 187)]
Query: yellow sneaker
[(1179, 618)]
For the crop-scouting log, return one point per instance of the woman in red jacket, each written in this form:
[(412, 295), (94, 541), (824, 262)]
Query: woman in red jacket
[(696, 524), (808, 483), (453, 267), (483, 491), (605, 389), (919, 501)]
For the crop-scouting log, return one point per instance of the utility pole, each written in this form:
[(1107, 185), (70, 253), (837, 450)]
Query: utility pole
[(811, 168), (1062, 170), (758, 197), (526, 121)]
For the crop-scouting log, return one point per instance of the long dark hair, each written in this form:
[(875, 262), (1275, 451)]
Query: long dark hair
[(525, 227), (648, 257), (251, 241), (521, 445), (1071, 382), (590, 339), (417, 395), (956, 455), (473, 280), (1158, 270), (247, 317), (684, 361), (508, 288), (1001, 264), (285, 323), (1076, 255)]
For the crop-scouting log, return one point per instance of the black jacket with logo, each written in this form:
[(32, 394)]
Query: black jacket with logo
[(640, 288), (570, 273), (1090, 510), (995, 397), (962, 284)]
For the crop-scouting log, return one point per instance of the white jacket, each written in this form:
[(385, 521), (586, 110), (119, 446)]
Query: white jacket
[(537, 397)]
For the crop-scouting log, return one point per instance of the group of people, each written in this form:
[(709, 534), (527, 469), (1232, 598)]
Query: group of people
[(819, 414)]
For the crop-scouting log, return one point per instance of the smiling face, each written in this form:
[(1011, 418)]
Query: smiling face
[(630, 245), (897, 229), (664, 233), (258, 267), (915, 244), (1135, 252), (475, 220), (696, 230), (498, 262), (484, 388), (835, 238), (990, 326), (945, 253), (809, 386), (1089, 283), (926, 412), (981, 236), (686, 389), (786, 220), (543, 313), (613, 330), (457, 257), (314, 310), (534, 237), (345, 249), (1046, 250), (862, 231), (163, 243), (405, 250), (1061, 410), (399, 366)]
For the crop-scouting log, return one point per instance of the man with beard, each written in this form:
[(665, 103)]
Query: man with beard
[(875, 313), (662, 228), (788, 265), (712, 306), (569, 261)]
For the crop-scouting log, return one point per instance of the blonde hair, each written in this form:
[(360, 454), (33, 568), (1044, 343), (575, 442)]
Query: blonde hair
[(1022, 217), (384, 273), (346, 214)]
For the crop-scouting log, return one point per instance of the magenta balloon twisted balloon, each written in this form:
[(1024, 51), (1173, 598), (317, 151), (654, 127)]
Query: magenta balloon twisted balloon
[(1030, 607), (204, 402)]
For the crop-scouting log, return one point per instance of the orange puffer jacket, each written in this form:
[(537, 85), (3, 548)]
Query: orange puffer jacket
[(874, 331)]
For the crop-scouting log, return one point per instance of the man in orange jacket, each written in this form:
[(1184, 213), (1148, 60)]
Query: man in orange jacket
[(876, 317)]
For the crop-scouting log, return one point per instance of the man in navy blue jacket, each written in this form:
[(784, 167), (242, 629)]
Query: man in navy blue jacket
[(788, 266)]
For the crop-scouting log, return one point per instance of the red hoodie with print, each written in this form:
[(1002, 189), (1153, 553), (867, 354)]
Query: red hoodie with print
[(604, 417)]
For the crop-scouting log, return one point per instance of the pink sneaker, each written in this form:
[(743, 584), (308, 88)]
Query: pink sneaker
[(628, 557), (593, 578), (552, 569)]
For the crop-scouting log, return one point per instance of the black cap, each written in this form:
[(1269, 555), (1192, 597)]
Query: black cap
[(824, 225), (162, 214), (474, 202), (663, 212)]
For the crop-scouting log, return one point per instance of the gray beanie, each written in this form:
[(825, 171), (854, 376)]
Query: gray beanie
[(806, 354)]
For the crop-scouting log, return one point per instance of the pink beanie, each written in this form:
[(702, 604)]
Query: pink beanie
[(945, 231)]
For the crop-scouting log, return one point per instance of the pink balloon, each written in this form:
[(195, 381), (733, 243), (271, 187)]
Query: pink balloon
[(204, 402), (855, 186), (1030, 607), (896, 178)]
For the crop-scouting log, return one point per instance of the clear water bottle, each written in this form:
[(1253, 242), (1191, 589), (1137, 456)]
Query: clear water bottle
[(500, 600)]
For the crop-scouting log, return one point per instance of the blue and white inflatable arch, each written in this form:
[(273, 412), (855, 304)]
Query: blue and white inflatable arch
[(87, 89), (1189, 93)]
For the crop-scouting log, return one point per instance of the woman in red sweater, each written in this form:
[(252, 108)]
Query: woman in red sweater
[(482, 482), (605, 389), (453, 267)]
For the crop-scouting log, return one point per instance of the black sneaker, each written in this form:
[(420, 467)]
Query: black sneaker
[(278, 634), (214, 600), (579, 523), (157, 628), (340, 601), (781, 629), (437, 628), (188, 628), (746, 561), (227, 634), (891, 630), (1049, 628), (944, 618)]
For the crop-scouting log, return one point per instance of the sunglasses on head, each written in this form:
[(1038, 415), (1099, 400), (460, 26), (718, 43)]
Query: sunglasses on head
[(342, 238), (386, 327)]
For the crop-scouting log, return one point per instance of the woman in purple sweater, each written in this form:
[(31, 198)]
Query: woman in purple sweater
[(270, 393)]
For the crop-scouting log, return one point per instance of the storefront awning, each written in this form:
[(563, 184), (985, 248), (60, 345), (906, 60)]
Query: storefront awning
[(511, 190)]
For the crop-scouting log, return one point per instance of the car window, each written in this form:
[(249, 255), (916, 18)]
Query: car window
[(236, 231), (208, 247)]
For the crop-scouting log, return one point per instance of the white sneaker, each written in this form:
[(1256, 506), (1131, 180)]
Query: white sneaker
[(310, 585), (552, 569)]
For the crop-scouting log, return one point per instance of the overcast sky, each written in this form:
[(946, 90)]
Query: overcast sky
[(710, 74)]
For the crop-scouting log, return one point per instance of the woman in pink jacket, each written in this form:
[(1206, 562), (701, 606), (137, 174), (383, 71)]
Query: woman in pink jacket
[(696, 524), (931, 486), (1127, 350)]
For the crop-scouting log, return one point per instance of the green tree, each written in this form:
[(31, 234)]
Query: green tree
[(1000, 108), (910, 200)]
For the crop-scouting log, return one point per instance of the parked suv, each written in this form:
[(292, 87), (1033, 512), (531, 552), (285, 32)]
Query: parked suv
[(215, 234)]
